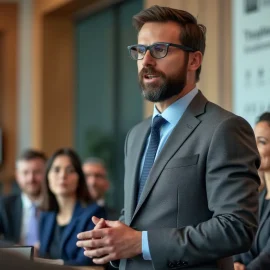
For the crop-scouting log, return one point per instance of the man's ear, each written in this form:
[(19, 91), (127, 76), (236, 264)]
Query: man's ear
[(195, 60)]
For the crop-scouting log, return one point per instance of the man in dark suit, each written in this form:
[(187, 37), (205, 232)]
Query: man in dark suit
[(18, 219), (96, 176), (191, 182)]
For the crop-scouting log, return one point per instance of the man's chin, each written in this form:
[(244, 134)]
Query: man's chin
[(32, 193)]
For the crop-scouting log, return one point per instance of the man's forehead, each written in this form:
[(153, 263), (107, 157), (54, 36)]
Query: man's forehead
[(163, 31), (94, 166), (30, 163)]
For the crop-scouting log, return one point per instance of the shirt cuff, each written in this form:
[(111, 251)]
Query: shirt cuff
[(145, 246)]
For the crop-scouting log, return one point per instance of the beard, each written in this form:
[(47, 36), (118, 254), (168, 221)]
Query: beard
[(166, 88), (31, 189)]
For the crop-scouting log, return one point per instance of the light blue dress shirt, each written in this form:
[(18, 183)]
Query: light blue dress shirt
[(172, 114)]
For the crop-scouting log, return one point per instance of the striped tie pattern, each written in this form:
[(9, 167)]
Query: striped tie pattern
[(158, 121)]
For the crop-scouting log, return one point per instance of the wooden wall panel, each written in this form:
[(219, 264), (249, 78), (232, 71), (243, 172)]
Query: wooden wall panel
[(53, 72), (57, 83), (8, 83)]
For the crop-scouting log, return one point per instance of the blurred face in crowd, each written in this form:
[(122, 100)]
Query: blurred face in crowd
[(97, 183), (63, 179), (262, 133), (29, 175)]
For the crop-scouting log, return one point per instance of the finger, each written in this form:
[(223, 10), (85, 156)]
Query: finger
[(95, 220), (98, 233), (93, 243), (111, 223), (100, 224), (85, 235), (97, 253), (102, 260)]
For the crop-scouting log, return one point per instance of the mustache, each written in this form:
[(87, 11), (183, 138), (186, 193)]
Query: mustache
[(150, 70)]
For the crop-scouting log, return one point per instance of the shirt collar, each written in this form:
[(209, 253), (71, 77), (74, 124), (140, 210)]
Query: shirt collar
[(27, 203), (101, 202), (175, 111)]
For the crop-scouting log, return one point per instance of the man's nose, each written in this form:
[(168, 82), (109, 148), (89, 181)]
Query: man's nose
[(30, 177), (148, 59), (91, 180)]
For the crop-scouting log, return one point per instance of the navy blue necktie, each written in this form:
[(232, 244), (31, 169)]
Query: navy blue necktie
[(151, 151)]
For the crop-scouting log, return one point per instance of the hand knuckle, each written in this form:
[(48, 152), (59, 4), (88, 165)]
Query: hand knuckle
[(114, 255), (109, 242)]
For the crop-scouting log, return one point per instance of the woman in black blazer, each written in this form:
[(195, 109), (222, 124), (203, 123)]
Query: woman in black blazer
[(258, 257), (69, 209)]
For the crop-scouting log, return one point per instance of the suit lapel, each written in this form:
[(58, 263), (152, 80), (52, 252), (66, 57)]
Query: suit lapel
[(49, 230), (264, 213), (70, 227), (186, 125), (261, 202), (138, 146)]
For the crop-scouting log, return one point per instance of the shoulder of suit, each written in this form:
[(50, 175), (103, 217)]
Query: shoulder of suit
[(142, 125), (10, 198), (213, 110)]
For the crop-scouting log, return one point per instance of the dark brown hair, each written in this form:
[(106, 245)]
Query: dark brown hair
[(49, 200), (30, 154), (265, 117), (193, 35)]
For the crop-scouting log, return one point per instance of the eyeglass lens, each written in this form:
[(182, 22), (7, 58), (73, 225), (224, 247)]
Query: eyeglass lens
[(157, 50)]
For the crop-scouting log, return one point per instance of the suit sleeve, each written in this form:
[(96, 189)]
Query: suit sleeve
[(231, 184)]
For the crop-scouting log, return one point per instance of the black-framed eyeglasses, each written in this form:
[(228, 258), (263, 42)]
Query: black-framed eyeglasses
[(157, 50)]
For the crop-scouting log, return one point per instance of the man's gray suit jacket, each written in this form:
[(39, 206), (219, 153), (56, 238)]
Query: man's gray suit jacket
[(199, 204)]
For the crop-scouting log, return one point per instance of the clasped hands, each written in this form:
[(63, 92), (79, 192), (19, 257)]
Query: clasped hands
[(109, 241)]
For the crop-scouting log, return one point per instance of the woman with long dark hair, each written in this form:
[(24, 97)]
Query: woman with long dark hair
[(68, 209)]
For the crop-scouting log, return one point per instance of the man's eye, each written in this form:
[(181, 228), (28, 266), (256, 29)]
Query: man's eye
[(159, 48), (140, 50)]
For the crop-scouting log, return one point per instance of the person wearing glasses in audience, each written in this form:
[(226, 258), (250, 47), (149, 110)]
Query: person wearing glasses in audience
[(258, 257), (68, 209), (96, 177), (185, 167)]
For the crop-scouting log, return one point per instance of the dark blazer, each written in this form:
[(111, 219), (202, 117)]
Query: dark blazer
[(80, 222), (11, 218), (258, 257), (200, 201)]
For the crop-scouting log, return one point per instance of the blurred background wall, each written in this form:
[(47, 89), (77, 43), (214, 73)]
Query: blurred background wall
[(66, 78)]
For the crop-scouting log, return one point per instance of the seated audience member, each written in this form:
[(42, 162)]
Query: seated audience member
[(258, 258), (97, 182), (18, 213), (68, 208)]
